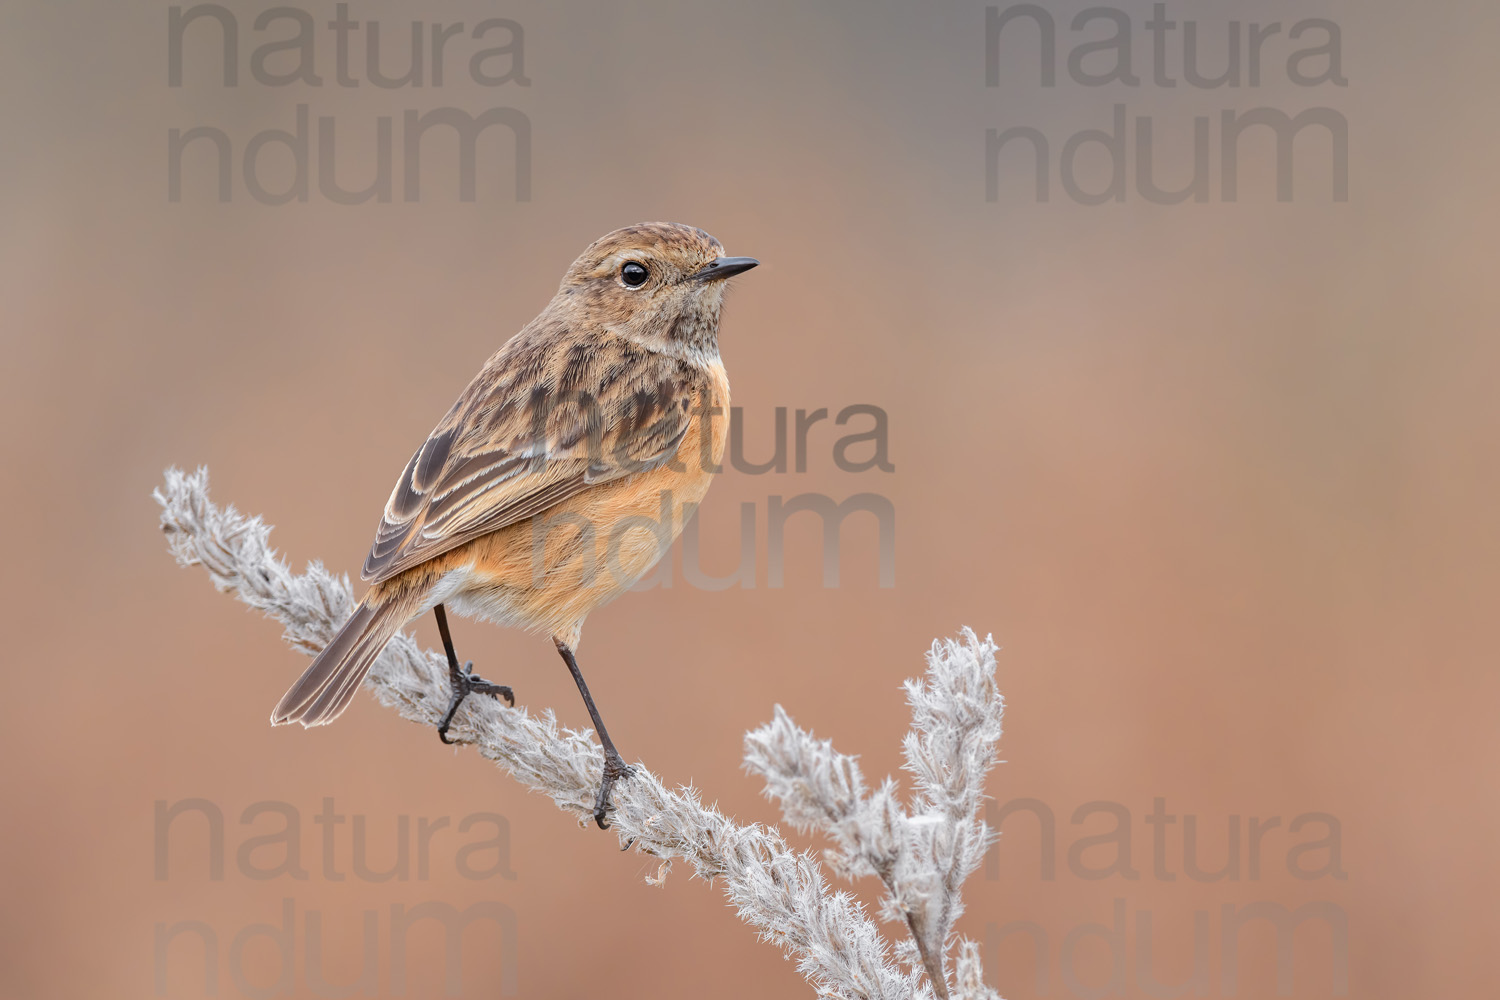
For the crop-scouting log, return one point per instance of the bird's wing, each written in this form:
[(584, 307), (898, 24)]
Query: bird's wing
[(548, 417)]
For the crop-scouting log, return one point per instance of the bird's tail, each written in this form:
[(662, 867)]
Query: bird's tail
[(323, 692)]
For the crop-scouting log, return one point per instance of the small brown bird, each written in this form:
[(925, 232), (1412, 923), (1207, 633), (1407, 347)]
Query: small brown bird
[(561, 475)]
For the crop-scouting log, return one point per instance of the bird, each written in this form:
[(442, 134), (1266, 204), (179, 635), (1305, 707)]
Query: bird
[(559, 477)]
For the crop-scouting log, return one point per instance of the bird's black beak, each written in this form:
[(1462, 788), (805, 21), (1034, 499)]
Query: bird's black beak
[(723, 267)]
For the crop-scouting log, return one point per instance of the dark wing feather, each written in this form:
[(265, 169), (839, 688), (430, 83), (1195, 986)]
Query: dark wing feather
[(546, 418)]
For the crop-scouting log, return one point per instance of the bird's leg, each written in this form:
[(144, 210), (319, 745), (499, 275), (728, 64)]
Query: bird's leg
[(465, 681), (615, 767)]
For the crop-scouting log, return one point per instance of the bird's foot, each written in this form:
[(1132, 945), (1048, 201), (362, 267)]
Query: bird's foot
[(615, 768), (465, 683)]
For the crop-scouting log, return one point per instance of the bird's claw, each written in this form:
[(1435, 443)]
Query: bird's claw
[(614, 769), (465, 683)]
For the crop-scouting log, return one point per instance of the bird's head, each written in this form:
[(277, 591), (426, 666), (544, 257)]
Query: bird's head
[(659, 283)]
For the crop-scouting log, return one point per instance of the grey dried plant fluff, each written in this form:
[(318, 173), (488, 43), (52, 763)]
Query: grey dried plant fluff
[(921, 849)]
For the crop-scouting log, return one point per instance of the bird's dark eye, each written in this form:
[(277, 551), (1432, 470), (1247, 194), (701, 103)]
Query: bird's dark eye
[(634, 274)]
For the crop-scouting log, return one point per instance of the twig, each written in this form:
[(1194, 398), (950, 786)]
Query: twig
[(921, 858)]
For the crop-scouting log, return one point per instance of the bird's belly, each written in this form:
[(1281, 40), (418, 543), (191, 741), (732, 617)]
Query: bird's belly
[(474, 596), (548, 572)]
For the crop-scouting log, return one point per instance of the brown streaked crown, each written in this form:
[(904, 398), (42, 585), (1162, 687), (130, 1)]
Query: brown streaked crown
[(681, 249)]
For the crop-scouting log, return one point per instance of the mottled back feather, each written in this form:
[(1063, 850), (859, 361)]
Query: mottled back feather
[(550, 414)]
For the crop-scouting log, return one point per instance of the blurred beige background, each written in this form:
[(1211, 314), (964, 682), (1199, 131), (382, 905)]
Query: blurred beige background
[(1220, 478)]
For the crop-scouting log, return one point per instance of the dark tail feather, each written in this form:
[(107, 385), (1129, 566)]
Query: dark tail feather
[(323, 692)]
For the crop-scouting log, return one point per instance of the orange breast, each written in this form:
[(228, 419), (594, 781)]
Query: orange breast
[(548, 572)]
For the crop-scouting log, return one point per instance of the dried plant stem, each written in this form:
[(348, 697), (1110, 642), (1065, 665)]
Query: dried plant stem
[(921, 858)]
